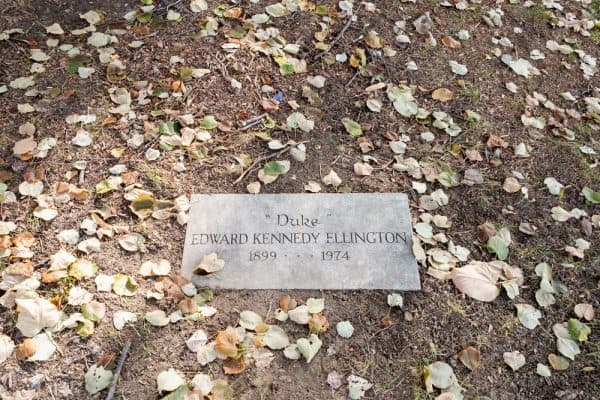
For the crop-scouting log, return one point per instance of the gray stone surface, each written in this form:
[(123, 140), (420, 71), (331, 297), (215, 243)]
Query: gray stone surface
[(303, 241)]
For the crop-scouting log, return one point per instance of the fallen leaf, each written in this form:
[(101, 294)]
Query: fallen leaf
[(584, 310), (275, 338), (97, 379), (357, 387), (362, 169), (226, 343), (169, 380), (559, 363), (477, 280), (35, 315), (440, 375), (470, 357), (157, 318), (332, 179), (210, 263), (511, 185), (309, 347), (442, 94), (528, 315), (450, 42), (344, 329), (234, 366), (7, 346), (514, 359)]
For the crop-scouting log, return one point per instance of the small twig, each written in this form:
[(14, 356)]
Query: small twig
[(148, 145), (384, 166), (249, 123), (351, 79), (113, 385), (259, 160), (339, 35)]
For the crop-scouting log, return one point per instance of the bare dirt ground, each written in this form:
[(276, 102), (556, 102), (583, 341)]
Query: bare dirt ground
[(391, 347)]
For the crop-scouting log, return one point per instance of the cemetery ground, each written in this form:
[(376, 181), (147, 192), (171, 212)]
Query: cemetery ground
[(112, 114)]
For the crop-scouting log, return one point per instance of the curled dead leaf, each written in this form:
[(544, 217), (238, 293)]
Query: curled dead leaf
[(210, 263), (25, 349), (226, 343), (233, 366), (318, 323), (450, 42)]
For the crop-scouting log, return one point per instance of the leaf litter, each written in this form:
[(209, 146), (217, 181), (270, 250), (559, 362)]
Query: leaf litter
[(151, 117)]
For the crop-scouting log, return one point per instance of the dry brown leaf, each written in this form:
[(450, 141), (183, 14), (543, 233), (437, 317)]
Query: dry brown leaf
[(477, 280), (496, 141), (585, 310), (210, 263), (269, 105), (233, 366), (286, 302), (362, 169), (188, 306), (24, 146), (26, 349), (25, 239), (470, 357), (485, 231), (557, 362), (473, 155), (318, 323), (373, 40), (442, 94), (511, 185), (450, 42), (226, 343)]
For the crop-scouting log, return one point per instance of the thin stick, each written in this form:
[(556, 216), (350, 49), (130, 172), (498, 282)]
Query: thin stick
[(258, 161), (339, 35), (253, 122), (352, 79), (113, 385)]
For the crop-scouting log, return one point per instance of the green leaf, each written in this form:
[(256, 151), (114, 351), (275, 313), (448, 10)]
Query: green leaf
[(124, 285), (76, 62), (498, 247), (85, 327), (578, 330), (144, 18), (449, 178), (208, 122), (286, 69), (309, 347), (83, 269), (105, 186), (181, 393), (186, 73), (591, 196), (322, 10), (277, 10), (168, 128), (352, 127), (566, 346), (97, 379), (276, 168)]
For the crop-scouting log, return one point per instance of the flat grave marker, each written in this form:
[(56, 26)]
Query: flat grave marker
[(302, 241)]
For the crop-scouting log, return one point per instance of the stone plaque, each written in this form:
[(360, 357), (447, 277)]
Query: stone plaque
[(302, 241)]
